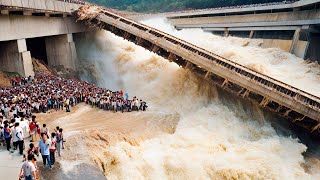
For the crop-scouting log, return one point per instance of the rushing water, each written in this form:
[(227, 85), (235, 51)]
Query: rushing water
[(212, 140), (271, 61)]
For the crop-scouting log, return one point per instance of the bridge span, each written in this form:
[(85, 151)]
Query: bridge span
[(300, 107), (41, 29)]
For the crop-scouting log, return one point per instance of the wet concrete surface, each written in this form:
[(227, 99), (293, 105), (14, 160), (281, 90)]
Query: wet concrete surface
[(79, 172)]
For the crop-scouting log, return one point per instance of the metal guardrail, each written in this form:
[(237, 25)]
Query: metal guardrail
[(51, 6), (73, 1), (301, 96)]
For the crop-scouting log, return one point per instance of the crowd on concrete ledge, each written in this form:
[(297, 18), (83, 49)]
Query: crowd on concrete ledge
[(45, 92)]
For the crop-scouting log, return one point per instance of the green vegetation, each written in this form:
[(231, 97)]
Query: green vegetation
[(172, 5), (12, 74)]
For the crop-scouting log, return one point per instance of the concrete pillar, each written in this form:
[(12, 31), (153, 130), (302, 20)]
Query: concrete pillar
[(295, 40), (251, 34), (226, 32), (14, 57), (61, 51), (25, 56), (5, 11), (27, 13), (297, 9)]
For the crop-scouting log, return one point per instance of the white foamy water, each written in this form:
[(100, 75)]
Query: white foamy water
[(271, 61), (211, 141)]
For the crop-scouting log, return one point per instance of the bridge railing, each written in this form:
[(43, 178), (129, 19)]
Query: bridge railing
[(61, 6), (287, 90), (73, 1)]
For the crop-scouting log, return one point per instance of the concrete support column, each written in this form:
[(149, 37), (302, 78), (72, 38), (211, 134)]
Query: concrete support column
[(251, 34), (295, 40), (226, 32), (25, 56), (61, 51), (14, 57), (296, 9), (27, 13), (4, 11)]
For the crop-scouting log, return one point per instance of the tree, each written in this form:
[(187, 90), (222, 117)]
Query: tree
[(172, 5)]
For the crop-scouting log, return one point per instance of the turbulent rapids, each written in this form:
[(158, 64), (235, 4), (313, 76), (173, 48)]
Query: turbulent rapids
[(188, 131)]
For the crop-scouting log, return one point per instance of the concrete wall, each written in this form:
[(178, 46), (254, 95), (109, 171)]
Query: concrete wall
[(277, 43), (14, 57), (61, 51), (285, 45), (294, 21), (300, 49), (46, 5), (14, 27), (284, 18), (298, 4)]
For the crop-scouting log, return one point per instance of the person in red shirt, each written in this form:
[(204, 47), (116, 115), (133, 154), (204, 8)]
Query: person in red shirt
[(33, 129)]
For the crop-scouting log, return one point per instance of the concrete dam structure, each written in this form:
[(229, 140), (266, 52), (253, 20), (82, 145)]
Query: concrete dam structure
[(292, 27), (45, 29), (41, 29)]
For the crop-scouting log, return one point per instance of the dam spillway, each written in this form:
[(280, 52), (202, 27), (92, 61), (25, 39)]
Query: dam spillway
[(299, 106)]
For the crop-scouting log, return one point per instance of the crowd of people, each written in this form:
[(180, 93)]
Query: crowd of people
[(15, 133), (46, 92), (43, 93)]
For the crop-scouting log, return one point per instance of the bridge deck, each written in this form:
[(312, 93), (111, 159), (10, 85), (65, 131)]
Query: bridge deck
[(301, 107), (41, 5)]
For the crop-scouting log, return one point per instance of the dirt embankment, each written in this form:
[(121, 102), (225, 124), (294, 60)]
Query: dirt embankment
[(38, 66), (4, 79)]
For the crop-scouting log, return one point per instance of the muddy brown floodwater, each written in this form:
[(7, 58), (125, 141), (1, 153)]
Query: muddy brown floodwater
[(90, 131)]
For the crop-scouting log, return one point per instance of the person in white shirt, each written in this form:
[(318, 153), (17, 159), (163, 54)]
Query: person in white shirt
[(114, 105), (14, 138), (53, 148), (44, 129), (24, 124), (18, 136), (6, 111), (28, 170)]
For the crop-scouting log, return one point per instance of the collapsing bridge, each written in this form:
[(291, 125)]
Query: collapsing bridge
[(298, 106)]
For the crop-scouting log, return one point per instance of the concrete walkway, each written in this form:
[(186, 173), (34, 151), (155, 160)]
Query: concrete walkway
[(10, 163)]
